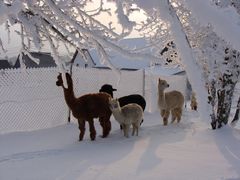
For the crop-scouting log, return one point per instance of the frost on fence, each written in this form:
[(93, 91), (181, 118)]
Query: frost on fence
[(30, 100)]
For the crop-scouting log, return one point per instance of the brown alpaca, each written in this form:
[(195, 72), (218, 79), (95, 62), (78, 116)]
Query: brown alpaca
[(169, 102), (87, 107), (193, 102)]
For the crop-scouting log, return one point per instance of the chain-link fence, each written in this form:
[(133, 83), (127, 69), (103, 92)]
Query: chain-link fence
[(30, 99)]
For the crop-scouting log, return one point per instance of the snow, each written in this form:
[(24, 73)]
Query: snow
[(188, 150)]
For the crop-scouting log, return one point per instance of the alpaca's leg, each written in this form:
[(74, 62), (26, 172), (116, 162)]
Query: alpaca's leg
[(92, 129), (103, 124), (192, 106), (106, 125), (174, 115), (137, 128), (127, 127), (81, 126), (133, 128), (163, 112), (124, 129), (179, 114), (195, 107), (165, 117), (137, 125)]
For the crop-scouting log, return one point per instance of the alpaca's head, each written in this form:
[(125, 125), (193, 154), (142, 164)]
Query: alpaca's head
[(59, 81), (162, 84), (108, 89), (114, 104)]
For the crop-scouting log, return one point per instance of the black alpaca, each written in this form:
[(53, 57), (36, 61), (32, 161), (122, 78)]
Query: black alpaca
[(133, 98)]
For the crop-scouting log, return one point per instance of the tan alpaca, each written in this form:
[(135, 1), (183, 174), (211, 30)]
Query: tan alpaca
[(130, 114), (193, 101), (171, 101)]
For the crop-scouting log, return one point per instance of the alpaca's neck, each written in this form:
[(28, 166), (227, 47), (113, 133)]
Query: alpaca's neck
[(161, 98), (69, 95), (117, 113)]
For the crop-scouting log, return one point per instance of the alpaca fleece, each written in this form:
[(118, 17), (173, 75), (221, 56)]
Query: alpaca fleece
[(130, 114), (87, 107), (132, 98), (171, 101)]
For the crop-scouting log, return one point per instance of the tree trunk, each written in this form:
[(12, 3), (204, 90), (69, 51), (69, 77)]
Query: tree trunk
[(224, 102), (212, 101), (236, 116)]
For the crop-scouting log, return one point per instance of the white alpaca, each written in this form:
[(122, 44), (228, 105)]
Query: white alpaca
[(127, 115), (170, 101)]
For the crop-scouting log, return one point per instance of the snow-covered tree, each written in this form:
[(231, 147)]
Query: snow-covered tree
[(215, 60), (222, 70), (71, 23), (219, 62), (236, 116)]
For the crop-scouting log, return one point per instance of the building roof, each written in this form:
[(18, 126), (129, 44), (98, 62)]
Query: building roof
[(4, 64), (46, 60)]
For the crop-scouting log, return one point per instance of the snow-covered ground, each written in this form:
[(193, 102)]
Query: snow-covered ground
[(186, 151)]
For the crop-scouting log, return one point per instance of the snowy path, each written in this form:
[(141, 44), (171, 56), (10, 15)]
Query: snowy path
[(189, 150)]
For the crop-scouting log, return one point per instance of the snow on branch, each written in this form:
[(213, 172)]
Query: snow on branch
[(224, 21), (97, 37), (122, 18), (9, 11), (70, 23)]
